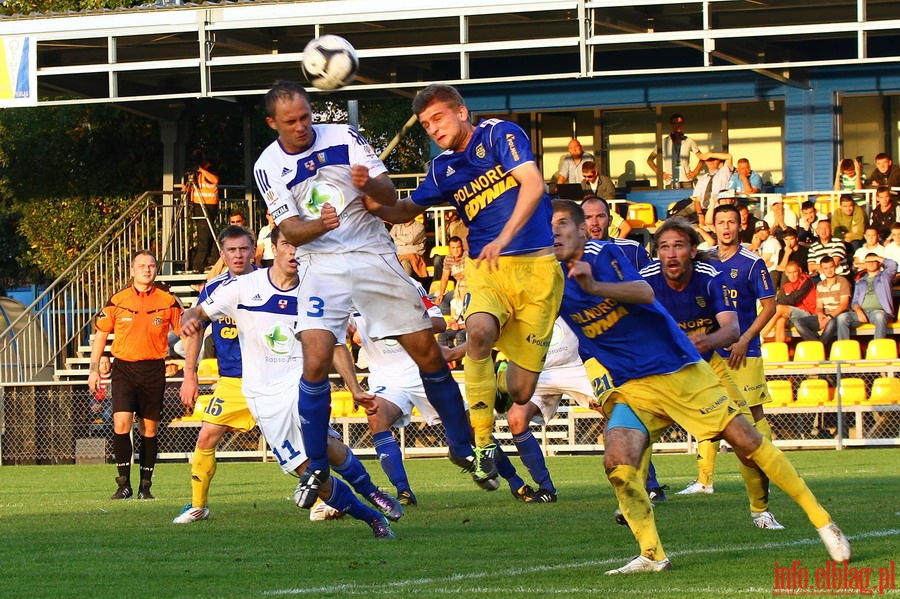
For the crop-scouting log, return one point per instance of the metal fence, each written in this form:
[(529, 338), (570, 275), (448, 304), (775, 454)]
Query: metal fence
[(825, 405)]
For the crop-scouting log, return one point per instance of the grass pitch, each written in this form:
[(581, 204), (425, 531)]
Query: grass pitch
[(62, 537)]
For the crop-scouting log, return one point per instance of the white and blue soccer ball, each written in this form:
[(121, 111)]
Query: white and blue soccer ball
[(330, 62)]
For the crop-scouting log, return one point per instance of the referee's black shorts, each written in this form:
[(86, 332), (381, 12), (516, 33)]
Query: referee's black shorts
[(139, 387)]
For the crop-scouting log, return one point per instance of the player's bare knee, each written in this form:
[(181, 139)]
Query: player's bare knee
[(742, 436)]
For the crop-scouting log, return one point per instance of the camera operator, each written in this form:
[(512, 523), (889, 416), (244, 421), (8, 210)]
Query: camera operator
[(201, 185)]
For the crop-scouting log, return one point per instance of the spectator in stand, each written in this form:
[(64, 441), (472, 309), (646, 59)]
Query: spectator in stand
[(826, 245), (101, 410), (265, 257), (796, 299), (410, 240), (885, 213), (848, 176), (456, 228), (593, 183), (745, 180), (202, 186), (849, 223), (872, 300), (676, 151), (766, 245), (886, 173), (791, 252), (747, 224), (453, 266), (719, 169), (806, 226), (892, 247), (572, 163), (833, 294), (778, 218), (871, 246)]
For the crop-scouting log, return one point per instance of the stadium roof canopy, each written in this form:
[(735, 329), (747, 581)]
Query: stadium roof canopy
[(155, 58)]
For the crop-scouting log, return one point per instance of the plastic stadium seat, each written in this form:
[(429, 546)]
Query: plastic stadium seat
[(782, 393), (823, 205), (885, 391), (852, 391), (208, 368), (813, 392), (881, 350), (775, 351), (440, 250), (341, 404), (847, 350), (641, 215), (436, 286), (809, 351)]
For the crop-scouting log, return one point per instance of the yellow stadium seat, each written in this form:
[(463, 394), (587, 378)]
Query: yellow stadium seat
[(852, 391), (775, 351), (885, 391), (793, 204), (341, 404), (813, 392), (208, 368), (782, 393), (846, 350), (809, 351), (641, 215), (881, 350), (440, 250), (824, 205), (435, 287)]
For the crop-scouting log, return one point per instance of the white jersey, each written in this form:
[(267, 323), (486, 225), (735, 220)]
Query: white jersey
[(386, 356), (265, 317), (298, 185), (563, 349)]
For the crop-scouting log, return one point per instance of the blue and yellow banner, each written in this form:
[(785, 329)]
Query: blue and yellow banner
[(18, 77)]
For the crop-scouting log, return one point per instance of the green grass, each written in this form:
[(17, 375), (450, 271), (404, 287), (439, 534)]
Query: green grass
[(61, 537)]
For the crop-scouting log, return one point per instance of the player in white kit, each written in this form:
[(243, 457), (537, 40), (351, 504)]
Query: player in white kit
[(313, 178), (263, 306)]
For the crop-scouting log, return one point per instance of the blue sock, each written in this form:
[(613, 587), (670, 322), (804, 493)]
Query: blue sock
[(388, 452), (651, 483), (531, 455), (315, 413), (356, 475), (343, 499), (444, 395), (506, 469)]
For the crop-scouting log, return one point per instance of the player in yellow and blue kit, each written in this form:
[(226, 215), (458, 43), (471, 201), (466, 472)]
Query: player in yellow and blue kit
[(488, 172), (617, 319), (698, 298)]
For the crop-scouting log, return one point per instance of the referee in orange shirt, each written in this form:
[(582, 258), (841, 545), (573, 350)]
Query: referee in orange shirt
[(140, 315)]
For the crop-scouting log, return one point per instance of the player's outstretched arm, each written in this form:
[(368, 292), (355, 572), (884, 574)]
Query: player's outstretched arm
[(402, 211), (379, 188), (193, 342), (626, 292)]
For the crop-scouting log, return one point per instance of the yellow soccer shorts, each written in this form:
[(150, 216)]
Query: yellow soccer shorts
[(720, 367), (693, 397), (228, 406), (751, 380), (523, 294)]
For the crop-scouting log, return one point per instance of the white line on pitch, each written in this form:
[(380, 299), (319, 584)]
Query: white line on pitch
[(390, 587)]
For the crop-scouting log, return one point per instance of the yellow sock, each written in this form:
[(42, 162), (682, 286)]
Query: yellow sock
[(481, 393), (775, 464), (501, 381), (706, 461), (637, 509), (203, 469), (644, 468), (755, 480)]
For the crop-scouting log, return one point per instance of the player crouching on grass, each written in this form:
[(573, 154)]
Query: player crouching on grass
[(613, 312), (263, 304)]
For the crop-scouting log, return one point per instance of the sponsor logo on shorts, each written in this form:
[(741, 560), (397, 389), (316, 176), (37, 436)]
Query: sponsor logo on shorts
[(714, 405), (758, 387), (535, 340)]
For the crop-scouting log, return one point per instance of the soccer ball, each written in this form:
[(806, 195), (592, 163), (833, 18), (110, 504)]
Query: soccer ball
[(330, 62)]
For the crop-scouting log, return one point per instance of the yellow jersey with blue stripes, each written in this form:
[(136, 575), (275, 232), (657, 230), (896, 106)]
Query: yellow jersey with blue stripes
[(478, 181)]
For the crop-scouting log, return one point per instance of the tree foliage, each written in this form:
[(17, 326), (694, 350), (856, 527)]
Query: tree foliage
[(25, 7)]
